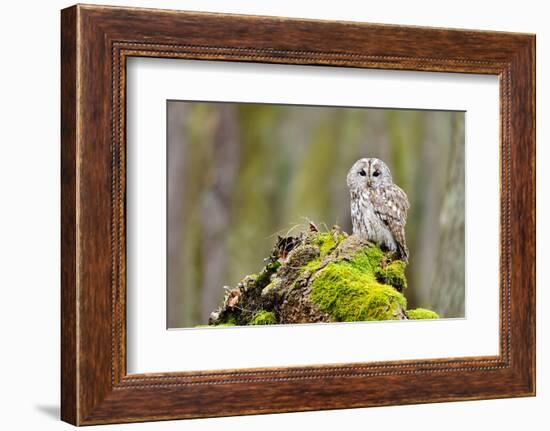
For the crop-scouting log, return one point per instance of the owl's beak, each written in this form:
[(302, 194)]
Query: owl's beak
[(369, 183)]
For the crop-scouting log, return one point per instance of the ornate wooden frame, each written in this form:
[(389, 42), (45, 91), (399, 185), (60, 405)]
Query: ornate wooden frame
[(95, 42)]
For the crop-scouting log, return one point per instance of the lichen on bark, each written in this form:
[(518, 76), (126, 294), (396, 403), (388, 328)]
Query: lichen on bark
[(320, 277)]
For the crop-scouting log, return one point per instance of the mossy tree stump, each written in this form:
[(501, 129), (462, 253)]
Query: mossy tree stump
[(320, 277)]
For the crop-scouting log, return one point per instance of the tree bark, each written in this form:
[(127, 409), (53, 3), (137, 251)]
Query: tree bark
[(448, 286), (176, 210), (216, 205), (320, 277)]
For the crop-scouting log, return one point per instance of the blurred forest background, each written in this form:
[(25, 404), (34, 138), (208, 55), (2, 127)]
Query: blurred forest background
[(238, 174)]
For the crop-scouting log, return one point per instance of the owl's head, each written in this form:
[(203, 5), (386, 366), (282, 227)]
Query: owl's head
[(368, 173)]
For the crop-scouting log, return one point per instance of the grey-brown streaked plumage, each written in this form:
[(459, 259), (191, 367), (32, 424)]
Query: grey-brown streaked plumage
[(378, 206)]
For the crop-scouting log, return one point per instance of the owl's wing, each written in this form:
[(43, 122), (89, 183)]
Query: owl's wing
[(391, 205)]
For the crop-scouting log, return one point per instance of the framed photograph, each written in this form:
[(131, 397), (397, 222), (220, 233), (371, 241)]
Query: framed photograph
[(329, 214)]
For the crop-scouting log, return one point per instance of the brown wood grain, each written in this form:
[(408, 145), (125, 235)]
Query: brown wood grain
[(96, 41), (68, 217)]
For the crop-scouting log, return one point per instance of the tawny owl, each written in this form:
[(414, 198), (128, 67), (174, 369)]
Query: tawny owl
[(378, 206)]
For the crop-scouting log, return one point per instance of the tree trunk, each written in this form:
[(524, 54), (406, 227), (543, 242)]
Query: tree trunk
[(320, 277), (448, 286), (176, 210), (216, 205)]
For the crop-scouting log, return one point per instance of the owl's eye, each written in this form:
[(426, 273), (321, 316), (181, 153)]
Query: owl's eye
[(362, 173), (376, 173)]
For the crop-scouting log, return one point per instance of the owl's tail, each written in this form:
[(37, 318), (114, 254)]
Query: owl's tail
[(403, 252)]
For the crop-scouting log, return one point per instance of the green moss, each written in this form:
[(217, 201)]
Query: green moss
[(349, 290), (312, 265), (273, 266), (215, 326), (264, 277), (272, 290), (393, 274), (263, 317), (273, 285), (327, 241), (228, 321), (367, 260), (421, 314)]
